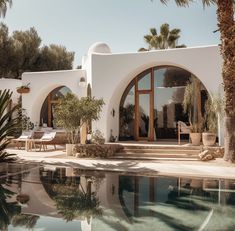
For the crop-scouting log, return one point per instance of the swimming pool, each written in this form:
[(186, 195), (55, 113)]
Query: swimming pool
[(45, 198)]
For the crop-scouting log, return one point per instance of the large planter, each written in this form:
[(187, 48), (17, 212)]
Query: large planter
[(23, 90), (195, 138), (69, 149), (208, 138)]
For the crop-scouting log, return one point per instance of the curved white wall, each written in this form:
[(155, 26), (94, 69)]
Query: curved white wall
[(42, 83), (112, 73)]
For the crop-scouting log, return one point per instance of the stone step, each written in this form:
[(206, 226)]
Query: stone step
[(167, 150), (176, 147), (155, 158), (154, 155)]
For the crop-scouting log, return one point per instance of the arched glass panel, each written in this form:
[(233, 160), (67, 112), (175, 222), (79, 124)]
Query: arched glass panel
[(59, 92), (48, 107), (169, 87), (144, 81), (156, 96), (127, 114)]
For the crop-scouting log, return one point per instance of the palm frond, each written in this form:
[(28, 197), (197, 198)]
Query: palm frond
[(208, 2), (178, 2), (175, 31), (181, 46), (164, 30), (147, 38), (185, 3), (8, 123), (142, 49), (153, 31)]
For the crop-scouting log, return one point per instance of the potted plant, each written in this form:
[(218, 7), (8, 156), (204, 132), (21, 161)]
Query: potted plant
[(23, 89), (71, 113), (195, 133), (213, 108), (191, 106)]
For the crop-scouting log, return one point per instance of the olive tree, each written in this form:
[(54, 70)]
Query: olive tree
[(71, 113)]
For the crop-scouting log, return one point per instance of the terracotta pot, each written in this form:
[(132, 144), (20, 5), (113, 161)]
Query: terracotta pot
[(23, 90), (195, 138), (208, 138)]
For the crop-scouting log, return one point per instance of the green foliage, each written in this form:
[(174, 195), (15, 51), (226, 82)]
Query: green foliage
[(214, 107), (190, 105), (54, 57), (188, 96), (77, 200), (72, 112), (166, 39), (22, 52), (78, 204), (8, 123), (25, 124), (27, 221), (8, 208), (186, 2), (126, 117), (127, 113), (24, 86)]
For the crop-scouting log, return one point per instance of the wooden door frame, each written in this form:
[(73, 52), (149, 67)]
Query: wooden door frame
[(151, 108)]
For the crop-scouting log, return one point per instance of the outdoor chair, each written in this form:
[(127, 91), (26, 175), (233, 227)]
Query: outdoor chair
[(183, 128), (24, 137), (47, 139)]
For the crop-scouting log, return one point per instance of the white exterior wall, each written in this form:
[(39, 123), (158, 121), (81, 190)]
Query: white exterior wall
[(111, 73), (11, 84), (42, 83)]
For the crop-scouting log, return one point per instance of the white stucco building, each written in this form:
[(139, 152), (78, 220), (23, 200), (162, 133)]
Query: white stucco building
[(147, 85)]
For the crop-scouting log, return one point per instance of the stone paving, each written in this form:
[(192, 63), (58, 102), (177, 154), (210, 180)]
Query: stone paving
[(174, 167)]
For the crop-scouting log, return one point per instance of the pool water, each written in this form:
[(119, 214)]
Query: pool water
[(47, 198)]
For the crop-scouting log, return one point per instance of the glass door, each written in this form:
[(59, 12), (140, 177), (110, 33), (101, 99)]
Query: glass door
[(143, 116)]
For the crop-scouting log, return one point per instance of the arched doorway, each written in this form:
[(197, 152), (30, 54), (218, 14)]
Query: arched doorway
[(47, 110), (151, 105)]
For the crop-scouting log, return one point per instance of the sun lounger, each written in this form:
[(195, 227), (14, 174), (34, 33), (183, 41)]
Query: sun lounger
[(25, 136), (47, 138)]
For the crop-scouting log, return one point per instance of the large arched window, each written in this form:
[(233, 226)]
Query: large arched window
[(47, 110), (152, 104)]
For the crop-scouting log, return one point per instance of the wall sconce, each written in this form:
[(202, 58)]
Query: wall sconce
[(113, 112), (82, 82)]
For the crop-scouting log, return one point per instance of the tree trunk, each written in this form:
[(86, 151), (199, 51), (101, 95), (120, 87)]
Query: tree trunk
[(227, 30), (229, 144)]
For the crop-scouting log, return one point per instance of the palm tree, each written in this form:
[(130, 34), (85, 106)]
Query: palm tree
[(226, 24), (166, 39), (8, 208), (4, 4), (8, 124)]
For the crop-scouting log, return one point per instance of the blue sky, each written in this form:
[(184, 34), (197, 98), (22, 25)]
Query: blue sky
[(77, 24)]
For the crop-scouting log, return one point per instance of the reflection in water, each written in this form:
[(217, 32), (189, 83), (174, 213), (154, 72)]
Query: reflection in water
[(7, 209), (10, 210), (74, 200), (63, 198)]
